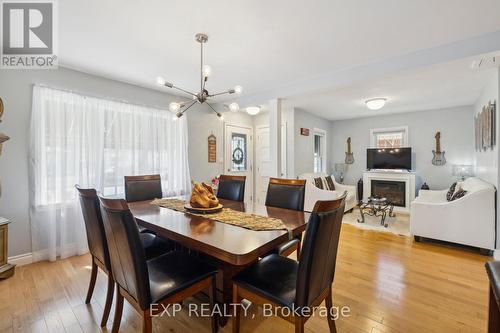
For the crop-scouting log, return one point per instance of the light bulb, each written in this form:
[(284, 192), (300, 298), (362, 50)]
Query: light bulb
[(207, 70), (234, 107), (375, 103), (174, 118), (160, 81), (238, 89), (253, 110), (174, 107)]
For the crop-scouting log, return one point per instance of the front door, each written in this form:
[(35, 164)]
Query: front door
[(238, 155)]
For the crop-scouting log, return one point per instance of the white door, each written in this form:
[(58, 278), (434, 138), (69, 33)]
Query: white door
[(238, 155), (262, 157)]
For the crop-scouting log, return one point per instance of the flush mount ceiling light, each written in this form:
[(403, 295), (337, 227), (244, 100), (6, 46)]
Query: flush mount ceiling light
[(253, 110), (202, 97), (375, 103)]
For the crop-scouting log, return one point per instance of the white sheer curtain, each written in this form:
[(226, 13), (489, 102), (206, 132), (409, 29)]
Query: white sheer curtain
[(93, 142)]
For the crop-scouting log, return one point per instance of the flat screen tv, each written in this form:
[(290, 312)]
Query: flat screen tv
[(389, 158)]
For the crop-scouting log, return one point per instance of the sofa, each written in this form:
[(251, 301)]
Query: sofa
[(314, 193), (469, 220)]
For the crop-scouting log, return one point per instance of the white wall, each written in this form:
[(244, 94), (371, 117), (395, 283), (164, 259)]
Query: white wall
[(16, 91), (303, 145), (457, 140)]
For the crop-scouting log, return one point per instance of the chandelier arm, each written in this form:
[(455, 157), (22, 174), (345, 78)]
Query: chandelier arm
[(202, 84), (213, 109), (220, 93), (187, 108), (183, 90)]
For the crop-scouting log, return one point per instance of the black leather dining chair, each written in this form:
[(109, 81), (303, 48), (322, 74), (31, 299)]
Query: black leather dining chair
[(298, 286), (145, 187), (288, 194), (231, 187), (164, 280), (98, 246)]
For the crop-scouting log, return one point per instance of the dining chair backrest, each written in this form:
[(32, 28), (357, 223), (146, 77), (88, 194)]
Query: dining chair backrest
[(94, 226), (286, 193), (128, 259), (231, 188), (140, 188), (319, 251)]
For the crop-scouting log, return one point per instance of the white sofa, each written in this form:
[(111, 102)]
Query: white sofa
[(469, 220), (314, 193)]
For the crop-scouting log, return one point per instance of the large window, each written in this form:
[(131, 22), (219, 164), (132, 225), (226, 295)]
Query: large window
[(395, 137), (94, 142), (319, 137)]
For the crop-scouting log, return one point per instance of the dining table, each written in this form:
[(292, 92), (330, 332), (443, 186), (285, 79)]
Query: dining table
[(229, 247)]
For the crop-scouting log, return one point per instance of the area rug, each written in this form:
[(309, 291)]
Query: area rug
[(399, 225)]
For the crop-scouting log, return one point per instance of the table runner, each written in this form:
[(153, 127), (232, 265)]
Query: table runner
[(228, 215)]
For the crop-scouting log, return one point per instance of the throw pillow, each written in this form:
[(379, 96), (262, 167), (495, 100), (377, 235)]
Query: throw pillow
[(451, 191), (458, 194), (318, 182), (330, 185)]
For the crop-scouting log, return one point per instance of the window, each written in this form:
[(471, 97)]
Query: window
[(95, 142), (396, 137), (239, 152), (319, 137)]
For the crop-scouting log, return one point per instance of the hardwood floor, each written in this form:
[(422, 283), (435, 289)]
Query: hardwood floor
[(390, 283)]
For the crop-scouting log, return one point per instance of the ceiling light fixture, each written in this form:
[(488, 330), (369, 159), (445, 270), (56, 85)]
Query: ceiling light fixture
[(253, 110), (203, 95), (375, 103)]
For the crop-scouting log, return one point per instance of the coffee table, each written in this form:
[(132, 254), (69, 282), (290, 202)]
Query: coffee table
[(375, 206)]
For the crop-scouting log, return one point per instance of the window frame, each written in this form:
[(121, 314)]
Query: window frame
[(375, 131), (323, 146)]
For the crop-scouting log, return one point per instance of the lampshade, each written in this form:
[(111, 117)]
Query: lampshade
[(340, 167), (462, 170), (253, 110)]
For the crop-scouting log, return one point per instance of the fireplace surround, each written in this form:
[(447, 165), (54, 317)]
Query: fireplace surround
[(397, 186)]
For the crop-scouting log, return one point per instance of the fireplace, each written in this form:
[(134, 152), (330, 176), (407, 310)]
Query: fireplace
[(394, 191)]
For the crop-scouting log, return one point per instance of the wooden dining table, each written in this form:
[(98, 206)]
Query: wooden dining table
[(230, 248)]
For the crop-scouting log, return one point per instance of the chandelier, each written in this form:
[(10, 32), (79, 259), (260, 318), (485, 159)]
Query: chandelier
[(203, 96)]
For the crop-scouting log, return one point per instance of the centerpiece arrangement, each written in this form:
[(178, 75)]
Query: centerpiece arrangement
[(203, 199)]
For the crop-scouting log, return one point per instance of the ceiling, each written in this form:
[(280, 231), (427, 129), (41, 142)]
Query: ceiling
[(261, 45), (434, 87)]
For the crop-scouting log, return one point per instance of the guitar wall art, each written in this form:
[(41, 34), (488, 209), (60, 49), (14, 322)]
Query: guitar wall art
[(349, 156), (438, 158)]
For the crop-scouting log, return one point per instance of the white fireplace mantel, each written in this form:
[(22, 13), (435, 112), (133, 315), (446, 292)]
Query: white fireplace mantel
[(391, 175)]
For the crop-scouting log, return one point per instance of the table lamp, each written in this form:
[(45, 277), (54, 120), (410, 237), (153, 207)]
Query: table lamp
[(462, 170), (341, 168)]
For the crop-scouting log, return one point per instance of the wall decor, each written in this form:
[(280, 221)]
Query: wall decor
[(485, 127), (304, 131), (349, 156), (212, 149), (438, 158)]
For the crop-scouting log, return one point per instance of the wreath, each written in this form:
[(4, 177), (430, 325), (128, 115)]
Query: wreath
[(238, 155)]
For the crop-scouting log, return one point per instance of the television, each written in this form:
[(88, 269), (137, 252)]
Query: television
[(388, 158)]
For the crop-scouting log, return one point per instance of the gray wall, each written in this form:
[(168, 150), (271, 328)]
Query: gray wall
[(202, 122), (303, 145), (16, 91), (457, 140)]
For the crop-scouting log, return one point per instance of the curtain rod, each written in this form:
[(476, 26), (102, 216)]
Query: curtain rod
[(112, 99)]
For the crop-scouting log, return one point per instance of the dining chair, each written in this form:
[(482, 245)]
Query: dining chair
[(288, 194), (299, 286), (231, 187), (144, 187), (98, 246), (164, 280)]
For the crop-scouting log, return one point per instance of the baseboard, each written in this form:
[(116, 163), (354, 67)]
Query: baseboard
[(22, 259), (496, 254)]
